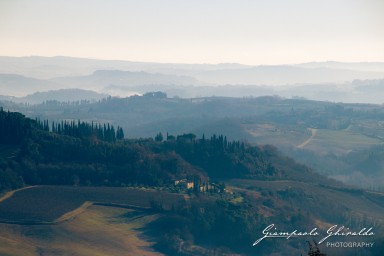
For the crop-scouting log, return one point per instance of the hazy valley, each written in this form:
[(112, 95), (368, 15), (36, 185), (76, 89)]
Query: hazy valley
[(326, 81)]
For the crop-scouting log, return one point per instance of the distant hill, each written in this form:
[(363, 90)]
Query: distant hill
[(284, 75), (59, 66), (360, 66), (103, 78), (18, 85), (63, 95), (215, 74), (327, 81)]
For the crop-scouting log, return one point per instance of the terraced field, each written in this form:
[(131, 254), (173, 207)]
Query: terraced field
[(60, 220), (48, 204)]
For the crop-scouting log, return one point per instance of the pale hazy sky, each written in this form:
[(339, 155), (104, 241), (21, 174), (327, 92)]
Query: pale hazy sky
[(195, 31)]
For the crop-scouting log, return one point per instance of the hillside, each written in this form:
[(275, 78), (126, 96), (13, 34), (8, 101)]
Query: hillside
[(62, 95), (89, 158), (238, 190), (341, 131)]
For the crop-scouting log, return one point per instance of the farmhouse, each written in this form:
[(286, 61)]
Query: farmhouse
[(184, 183)]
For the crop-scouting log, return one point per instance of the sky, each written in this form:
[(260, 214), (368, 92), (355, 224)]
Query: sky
[(255, 32)]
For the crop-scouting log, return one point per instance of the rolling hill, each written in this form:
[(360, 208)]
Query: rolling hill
[(238, 190)]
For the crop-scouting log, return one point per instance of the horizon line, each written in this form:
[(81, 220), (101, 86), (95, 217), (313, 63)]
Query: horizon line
[(200, 63)]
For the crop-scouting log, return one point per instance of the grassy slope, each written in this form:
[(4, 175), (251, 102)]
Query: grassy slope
[(325, 140), (341, 141), (98, 231), (356, 202), (325, 205)]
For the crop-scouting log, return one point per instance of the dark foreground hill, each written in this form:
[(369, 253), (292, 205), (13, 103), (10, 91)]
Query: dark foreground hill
[(238, 189)]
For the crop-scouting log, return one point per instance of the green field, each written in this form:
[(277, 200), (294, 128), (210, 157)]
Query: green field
[(275, 134), (341, 141), (324, 141)]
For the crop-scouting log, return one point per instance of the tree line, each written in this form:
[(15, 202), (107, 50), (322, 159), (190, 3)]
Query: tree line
[(13, 127), (81, 129)]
